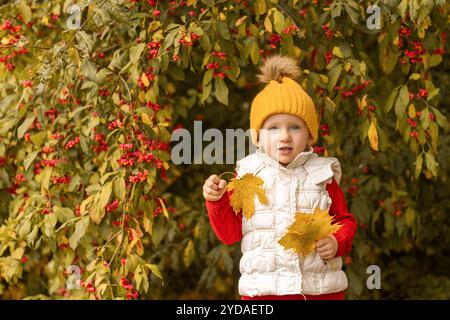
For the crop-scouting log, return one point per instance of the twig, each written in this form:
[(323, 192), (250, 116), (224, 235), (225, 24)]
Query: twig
[(81, 28), (226, 172), (32, 47)]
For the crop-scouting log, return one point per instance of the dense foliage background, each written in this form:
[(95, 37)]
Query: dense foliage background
[(86, 117)]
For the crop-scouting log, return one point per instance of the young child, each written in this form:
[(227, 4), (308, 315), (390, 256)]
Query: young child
[(284, 126)]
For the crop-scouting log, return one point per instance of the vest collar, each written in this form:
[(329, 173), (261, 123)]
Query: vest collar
[(299, 160)]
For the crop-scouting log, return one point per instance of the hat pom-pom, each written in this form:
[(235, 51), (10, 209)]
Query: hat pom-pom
[(278, 66)]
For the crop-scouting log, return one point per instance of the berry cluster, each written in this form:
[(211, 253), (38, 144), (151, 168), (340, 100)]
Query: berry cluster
[(13, 36), (140, 177), (328, 32), (61, 180), (112, 206), (153, 49), (72, 143), (356, 89)]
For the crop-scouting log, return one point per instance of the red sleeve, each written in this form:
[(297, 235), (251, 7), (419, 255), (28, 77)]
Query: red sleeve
[(225, 223), (346, 233)]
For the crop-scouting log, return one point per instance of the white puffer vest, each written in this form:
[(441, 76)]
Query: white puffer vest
[(266, 267)]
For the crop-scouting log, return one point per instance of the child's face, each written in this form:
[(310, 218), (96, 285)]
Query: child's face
[(284, 136)]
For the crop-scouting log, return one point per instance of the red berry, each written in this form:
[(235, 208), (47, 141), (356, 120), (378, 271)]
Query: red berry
[(348, 260), (423, 93)]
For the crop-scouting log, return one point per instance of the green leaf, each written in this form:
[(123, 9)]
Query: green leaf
[(268, 24), (278, 21), (388, 222), (425, 118), (25, 11), (333, 77), (352, 13), (24, 229), (120, 188), (138, 277), (207, 77), (86, 43), (205, 43), (221, 91), (18, 253), (418, 169), (414, 76), (440, 119), (435, 59), (389, 59), (25, 126), (38, 138), (101, 17), (432, 165), (29, 159), (205, 93), (169, 38), (188, 254), (223, 30), (434, 133), (49, 224), (158, 232), (402, 102), (32, 235), (176, 72), (433, 94), (98, 211), (89, 69), (80, 230), (391, 99), (409, 217), (336, 11), (155, 270), (63, 214), (402, 8), (209, 3), (260, 7), (45, 177), (254, 53)]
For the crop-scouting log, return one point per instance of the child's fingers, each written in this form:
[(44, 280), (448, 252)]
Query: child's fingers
[(212, 198), (321, 243), (326, 254), (324, 247), (322, 250), (210, 191), (214, 178), (222, 184), (212, 185)]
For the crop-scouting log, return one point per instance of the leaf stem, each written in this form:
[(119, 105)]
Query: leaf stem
[(226, 172)]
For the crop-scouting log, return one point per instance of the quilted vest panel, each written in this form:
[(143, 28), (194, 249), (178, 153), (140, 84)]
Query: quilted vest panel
[(266, 267)]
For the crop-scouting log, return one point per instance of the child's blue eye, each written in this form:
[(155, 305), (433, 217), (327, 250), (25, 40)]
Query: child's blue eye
[(273, 128), (295, 127)]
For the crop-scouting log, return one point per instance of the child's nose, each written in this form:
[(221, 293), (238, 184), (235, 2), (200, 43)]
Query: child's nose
[(284, 135)]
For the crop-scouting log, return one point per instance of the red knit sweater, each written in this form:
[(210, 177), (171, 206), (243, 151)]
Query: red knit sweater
[(228, 228)]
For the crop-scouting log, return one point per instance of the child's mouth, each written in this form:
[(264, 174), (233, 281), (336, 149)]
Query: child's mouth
[(285, 150)]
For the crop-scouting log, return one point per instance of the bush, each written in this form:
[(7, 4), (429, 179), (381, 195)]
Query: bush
[(86, 117)]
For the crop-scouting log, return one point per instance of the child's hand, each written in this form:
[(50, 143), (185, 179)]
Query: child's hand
[(214, 188), (327, 247)]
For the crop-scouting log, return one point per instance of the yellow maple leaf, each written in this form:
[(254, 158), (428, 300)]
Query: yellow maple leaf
[(244, 191), (306, 230)]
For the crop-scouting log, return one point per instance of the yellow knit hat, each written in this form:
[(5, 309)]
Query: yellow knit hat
[(282, 94)]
